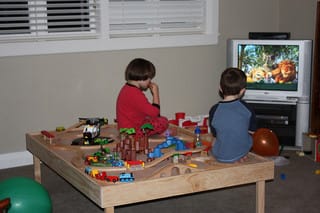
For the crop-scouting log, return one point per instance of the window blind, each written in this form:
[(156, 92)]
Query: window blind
[(60, 26), (156, 17), (14, 18), (52, 17)]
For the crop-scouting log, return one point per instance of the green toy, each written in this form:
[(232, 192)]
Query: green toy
[(26, 195)]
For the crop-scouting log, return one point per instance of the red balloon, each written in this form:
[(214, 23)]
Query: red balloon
[(265, 142)]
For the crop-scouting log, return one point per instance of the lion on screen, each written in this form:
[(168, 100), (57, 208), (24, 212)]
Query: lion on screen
[(285, 72)]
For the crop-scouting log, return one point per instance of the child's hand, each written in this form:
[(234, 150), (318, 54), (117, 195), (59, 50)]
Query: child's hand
[(154, 88)]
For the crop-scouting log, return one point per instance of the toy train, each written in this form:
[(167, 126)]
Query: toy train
[(134, 164), (102, 175), (126, 177)]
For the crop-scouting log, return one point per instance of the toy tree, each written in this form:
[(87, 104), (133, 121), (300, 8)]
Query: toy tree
[(146, 127), (127, 146), (126, 132), (101, 142), (144, 142)]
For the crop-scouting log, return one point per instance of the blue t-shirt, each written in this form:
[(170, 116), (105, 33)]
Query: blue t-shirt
[(230, 122)]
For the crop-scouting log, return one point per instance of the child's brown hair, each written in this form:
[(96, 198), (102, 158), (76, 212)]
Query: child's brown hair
[(232, 81), (140, 69)]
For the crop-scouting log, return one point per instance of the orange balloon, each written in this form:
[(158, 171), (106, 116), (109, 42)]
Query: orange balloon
[(265, 142)]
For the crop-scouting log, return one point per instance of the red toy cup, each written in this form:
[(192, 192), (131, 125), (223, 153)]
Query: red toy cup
[(180, 115), (175, 122)]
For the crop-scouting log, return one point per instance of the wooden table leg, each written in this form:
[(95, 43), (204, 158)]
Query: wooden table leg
[(109, 210), (260, 196), (37, 169)]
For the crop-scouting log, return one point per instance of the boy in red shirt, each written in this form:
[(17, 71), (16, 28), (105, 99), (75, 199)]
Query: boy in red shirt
[(133, 108)]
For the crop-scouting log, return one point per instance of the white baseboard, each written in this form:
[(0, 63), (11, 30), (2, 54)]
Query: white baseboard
[(15, 159)]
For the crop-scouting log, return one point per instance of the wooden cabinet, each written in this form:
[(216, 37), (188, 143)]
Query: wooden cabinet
[(315, 88)]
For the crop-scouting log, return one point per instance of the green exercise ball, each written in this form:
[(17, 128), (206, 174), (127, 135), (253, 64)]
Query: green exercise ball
[(26, 195)]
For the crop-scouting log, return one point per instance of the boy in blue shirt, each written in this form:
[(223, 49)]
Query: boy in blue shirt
[(231, 120)]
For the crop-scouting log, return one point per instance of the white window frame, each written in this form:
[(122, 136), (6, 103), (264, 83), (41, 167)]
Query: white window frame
[(103, 42)]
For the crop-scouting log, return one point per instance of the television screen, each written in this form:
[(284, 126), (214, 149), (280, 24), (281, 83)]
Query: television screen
[(270, 66)]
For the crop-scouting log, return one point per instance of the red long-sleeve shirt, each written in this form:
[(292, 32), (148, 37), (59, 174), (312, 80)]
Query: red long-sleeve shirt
[(133, 107)]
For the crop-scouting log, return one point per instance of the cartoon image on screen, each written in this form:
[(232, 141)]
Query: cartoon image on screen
[(270, 67)]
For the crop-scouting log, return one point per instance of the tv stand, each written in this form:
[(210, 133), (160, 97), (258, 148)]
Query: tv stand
[(289, 120)]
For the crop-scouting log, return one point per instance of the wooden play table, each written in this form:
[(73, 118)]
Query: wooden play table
[(150, 183)]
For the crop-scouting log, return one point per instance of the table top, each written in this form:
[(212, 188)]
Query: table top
[(159, 179)]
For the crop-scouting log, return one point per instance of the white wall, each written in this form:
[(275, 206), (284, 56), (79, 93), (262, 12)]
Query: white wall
[(42, 92), (298, 17)]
